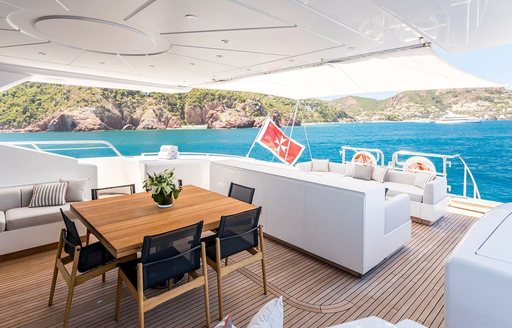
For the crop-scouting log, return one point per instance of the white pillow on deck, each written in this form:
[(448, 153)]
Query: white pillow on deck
[(422, 178), (363, 172), (379, 173), (76, 189), (320, 165), (271, 315)]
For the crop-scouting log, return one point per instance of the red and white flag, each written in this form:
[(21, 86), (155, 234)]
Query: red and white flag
[(284, 148)]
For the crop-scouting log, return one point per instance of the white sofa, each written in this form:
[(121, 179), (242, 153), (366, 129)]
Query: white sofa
[(428, 204), (23, 227), (351, 225)]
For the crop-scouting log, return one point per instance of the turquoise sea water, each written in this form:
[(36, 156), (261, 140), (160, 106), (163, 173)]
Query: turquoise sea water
[(486, 147)]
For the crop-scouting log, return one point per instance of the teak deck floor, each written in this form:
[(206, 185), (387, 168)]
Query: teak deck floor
[(408, 285)]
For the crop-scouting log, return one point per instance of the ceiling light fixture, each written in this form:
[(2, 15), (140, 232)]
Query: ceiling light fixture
[(190, 16), (102, 63), (42, 53), (224, 41), (192, 64), (219, 56), (151, 66)]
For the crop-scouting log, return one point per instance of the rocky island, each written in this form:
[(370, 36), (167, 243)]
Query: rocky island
[(35, 107)]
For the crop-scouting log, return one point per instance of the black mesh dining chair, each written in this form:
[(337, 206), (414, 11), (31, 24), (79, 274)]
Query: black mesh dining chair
[(237, 233), (106, 192), (88, 262), (242, 193), (165, 257)]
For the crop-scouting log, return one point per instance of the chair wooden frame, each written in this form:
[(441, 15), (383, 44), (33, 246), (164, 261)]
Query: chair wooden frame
[(146, 304), (72, 278), (94, 196), (257, 254)]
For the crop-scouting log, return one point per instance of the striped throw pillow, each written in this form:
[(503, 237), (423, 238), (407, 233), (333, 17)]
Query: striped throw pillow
[(49, 194), (379, 173), (422, 178)]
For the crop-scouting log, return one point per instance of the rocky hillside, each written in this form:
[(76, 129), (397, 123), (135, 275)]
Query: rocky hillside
[(46, 107), (417, 105)]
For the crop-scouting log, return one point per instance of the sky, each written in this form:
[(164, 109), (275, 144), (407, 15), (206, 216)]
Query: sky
[(493, 64)]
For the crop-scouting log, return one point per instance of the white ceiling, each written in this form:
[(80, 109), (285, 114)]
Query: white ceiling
[(156, 41)]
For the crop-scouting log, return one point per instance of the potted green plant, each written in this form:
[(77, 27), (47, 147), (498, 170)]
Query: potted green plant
[(163, 187)]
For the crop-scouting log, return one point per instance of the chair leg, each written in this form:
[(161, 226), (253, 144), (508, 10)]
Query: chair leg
[(140, 295), (205, 277), (87, 237), (103, 277), (54, 282), (55, 268), (226, 262), (71, 286), (218, 264), (118, 294), (69, 300), (219, 290), (263, 269)]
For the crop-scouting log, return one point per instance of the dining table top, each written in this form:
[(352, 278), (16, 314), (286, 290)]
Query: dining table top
[(120, 223)]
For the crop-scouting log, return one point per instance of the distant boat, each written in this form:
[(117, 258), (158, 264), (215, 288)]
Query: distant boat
[(452, 118)]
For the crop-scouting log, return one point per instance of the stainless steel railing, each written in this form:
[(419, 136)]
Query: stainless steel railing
[(92, 144)]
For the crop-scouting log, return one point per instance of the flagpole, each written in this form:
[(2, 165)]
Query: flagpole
[(257, 136), (291, 130)]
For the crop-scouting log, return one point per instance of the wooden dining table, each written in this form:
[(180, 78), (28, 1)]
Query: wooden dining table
[(120, 223)]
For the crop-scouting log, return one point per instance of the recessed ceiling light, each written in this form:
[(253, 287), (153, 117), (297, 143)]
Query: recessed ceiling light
[(248, 69), (151, 66), (42, 53), (219, 56), (350, 48), (190, 16), (291, 60), (102, 63), (224, 41), (192, 64)]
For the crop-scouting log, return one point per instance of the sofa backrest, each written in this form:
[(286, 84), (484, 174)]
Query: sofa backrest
[(337, 168), (10, 197), (26, 195), (401, 177)]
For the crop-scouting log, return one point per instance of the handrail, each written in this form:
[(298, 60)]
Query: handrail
[(476, 191), (378, 152), (35, 145)]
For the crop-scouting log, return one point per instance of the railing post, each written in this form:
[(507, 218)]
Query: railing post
[(465, 181)]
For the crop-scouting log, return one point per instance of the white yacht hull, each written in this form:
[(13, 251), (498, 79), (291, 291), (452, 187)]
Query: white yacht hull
[(459, 121)]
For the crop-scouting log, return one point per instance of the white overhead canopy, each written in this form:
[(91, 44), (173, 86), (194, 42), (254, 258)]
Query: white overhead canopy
[(412, 69), (171, 46)]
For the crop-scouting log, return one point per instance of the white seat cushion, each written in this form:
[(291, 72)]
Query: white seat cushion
[(2, 221), (395, 188), (271, 315), (23, 217)]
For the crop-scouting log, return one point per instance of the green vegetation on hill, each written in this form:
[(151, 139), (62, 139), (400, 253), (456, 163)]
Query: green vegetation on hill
[(31, 103), (48, 107)]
